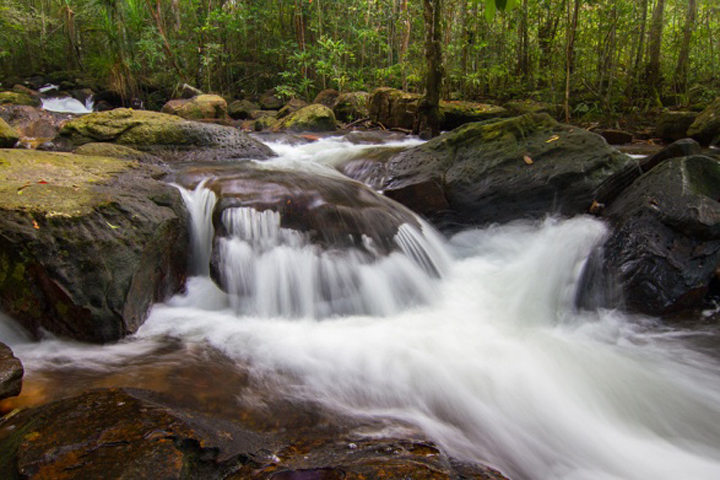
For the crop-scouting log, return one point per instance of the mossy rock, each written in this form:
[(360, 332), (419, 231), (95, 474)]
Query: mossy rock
[(327, 97), (501, 170), (313, 118), (16, 98), (116, 151), (199, 107), (673, 126), (394, 108), (8, 135), (168, 136), (351, 106), (241, 109), (88, 244), (454, 114), (293, 105), (706, 127), (522, 107), (265, 122)]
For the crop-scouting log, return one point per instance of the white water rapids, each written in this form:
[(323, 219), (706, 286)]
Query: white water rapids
[(68, 105), (491, 360)]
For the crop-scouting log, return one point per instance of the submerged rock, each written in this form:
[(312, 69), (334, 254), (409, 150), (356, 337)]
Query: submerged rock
[(312, 118), (498, 171), (168, 136), (665, 250), (11, 373), (88, 243)]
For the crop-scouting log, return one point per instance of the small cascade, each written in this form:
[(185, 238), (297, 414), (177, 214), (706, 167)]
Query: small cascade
[(68, 105), (272, 271), (200, 202)]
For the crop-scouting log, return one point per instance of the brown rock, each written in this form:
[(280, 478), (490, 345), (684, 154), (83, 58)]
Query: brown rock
[(11, 373)]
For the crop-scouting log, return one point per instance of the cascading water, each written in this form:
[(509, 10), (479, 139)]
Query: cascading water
[(68, 105), (488, 354)]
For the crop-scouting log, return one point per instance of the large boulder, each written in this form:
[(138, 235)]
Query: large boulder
[(706, 127), (8, 136), (11, 373), (88, 244), (200, 107), (456, 113), (672, 126), (496, 171), (168, 136), (522, 107), (241, 109), (34, 125), (103, 149), (351, 106), (327, 97), (270, 101), (291, 106), (17, 98), (394, 108), (665, 249), (313, 118)]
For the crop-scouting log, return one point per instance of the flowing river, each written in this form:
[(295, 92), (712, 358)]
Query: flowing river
[(474, 339)]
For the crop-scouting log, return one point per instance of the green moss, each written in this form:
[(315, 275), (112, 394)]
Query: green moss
[(313, 118), (109, 150), (17, 98), (54, 183), (110, 125)]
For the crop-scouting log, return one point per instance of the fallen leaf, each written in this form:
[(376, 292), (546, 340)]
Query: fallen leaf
[(553, 139), (43, 182), (35, 225), (528, 160), (114, 227)]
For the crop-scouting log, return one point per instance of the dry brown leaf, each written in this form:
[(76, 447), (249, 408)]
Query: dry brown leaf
[(528, 160)]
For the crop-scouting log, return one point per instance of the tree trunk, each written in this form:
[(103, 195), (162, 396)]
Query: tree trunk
[(652, 69), (428, 121), (405, 46), (681, 70), (570, 54)]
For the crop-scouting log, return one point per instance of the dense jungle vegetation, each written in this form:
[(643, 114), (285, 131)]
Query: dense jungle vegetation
[(612, 56)]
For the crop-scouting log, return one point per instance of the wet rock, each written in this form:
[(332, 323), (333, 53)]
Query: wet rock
[(124, 433), (665, 250), (313, 118), (241, 109), (351, 106), (88, 243), (498, 171), (393, 108), (673, 126), (8, 136), (167, 136), (263, 123), (201, 107), (15, 98), (327, 97), (455, 114), (117, 151), (34, 125), (706, 127), (11, 373), (292, 106)]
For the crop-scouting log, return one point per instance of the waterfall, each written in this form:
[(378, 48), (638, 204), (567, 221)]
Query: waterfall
[(68, 105)]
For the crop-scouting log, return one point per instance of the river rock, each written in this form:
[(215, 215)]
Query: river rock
[(15, 98), (167, 136), (34, 125), (200, 107), (672, 126), (521, 107), (101, 149), (351, 106), (497, 171), (292, 106), (188, 91), (241, 109), (706, 127), (456, 113), (313, 118), (11, 373), (393, 108), (88, 244), (270, 101), (665, 249), (8, 136), (327, 97)]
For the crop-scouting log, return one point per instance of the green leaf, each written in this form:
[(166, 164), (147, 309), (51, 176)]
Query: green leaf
[(489, 10)]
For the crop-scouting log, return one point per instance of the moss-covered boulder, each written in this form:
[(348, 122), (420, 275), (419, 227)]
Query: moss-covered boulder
[(522, 107), (327, 97), (100, 149), (16, 98), (665, 249), (313, 118), (263, 122), (351, 106), (88, 244), (706, 127), (11, 373), (270, 101), (241, 109), (8, 136), (200, 107), (291, 106), (454, 114), (168, 136), (393, 108), (496, 171), (672, 126)]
